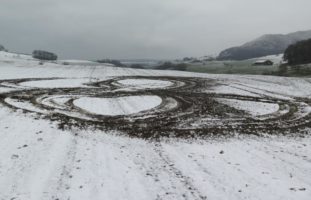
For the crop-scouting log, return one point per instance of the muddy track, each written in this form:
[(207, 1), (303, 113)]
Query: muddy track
[(185, 111)]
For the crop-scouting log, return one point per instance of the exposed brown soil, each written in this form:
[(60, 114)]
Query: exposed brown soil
[(197, 114)]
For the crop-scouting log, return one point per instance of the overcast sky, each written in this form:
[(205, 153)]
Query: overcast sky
[(90, 29)]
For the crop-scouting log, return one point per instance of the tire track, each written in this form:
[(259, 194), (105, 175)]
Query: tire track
[(191, 117)]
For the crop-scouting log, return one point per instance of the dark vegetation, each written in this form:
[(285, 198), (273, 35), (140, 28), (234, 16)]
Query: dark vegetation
[(191, 60), (299, 53), (297, 56), (172, 66), (294, 71), (116, 63), (2, 48), (44, 55), (137, 66)]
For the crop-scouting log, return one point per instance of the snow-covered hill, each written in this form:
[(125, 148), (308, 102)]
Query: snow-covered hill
[(7, 56)]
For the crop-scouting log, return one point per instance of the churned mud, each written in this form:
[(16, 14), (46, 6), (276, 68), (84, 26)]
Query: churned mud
[(186, 111)]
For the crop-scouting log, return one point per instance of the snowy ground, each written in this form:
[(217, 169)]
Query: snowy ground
[(253, 108), (41, 161), (119, 105)]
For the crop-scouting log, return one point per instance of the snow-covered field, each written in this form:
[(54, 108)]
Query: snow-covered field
[(39, 160)]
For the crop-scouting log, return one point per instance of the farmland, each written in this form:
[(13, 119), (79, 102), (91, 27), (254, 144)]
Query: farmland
[(84, 131)]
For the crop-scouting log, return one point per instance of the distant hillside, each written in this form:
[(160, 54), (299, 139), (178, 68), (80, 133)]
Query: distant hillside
[(263, 46)]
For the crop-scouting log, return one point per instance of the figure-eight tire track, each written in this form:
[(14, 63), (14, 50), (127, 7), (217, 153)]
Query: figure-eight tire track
[(186, 110)]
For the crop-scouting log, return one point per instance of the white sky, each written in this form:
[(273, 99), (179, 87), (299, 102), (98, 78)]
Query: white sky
[(91, 29)]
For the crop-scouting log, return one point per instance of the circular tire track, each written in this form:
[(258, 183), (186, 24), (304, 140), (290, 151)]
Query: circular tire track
[(186, 111)]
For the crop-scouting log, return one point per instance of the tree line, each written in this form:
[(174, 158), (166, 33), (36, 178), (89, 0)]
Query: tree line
[(299, 53)]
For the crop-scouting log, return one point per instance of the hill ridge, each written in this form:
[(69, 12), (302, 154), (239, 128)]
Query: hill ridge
[(268, 44)]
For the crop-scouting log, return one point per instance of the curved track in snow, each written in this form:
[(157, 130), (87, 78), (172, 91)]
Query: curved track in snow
[(39, 161), (185, 111)]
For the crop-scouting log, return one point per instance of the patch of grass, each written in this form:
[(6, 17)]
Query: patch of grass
[(294, 71), (233, 67), (246, 67)]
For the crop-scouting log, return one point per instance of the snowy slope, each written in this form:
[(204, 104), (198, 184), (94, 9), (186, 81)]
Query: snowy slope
[(39, 161)]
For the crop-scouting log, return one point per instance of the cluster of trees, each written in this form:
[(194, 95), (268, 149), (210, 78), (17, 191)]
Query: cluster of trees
[(116, 63), (44, 55), (191, 60), (172, 66), (2, 48), (299, 53)]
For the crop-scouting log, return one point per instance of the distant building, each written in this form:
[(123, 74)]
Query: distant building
[(44, 55), (263, 62)]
